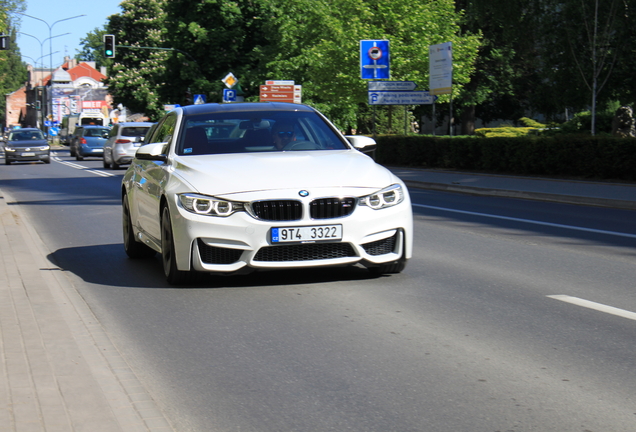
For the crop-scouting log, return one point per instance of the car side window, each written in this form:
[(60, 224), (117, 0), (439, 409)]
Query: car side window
[(165, 129)]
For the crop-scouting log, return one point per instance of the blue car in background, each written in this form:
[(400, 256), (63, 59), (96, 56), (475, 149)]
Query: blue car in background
[(88, 141)]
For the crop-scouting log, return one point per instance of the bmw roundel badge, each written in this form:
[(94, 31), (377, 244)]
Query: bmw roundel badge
[(303, 193)]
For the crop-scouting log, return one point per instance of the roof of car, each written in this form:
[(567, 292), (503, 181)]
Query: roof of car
[(24, 129), (243, 107), (135, 123)]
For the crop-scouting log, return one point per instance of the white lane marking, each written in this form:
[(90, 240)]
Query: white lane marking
[(83, 168), (592, 230), (596, 306)]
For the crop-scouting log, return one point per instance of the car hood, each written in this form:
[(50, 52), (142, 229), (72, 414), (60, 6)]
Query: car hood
[(226, 174), (27, 143)]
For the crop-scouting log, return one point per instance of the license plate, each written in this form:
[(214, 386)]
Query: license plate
[(306, 234), (27, 154)]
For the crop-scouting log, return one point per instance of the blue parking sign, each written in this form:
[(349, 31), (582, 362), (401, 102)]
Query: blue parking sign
[(229, 95), (374, 59)]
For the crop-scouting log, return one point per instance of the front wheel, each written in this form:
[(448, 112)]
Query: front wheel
[(389, 268), (169, 258)]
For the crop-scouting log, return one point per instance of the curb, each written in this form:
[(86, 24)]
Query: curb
[(536, 196)]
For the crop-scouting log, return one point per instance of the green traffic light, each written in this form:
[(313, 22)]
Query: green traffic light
[(109, 52)]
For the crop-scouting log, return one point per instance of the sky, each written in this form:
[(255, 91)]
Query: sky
[(53, 14)]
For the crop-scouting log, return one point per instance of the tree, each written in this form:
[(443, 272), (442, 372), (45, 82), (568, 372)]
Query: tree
[(589, 33), (137, 75), (13, 72), (220, 37), (318, 44), (92, 48)]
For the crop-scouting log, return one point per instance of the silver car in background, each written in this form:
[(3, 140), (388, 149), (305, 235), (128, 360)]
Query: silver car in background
[(122, 143)]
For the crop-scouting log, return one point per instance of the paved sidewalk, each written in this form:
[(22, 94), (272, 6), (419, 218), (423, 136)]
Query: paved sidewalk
[(593, 193), (59, 371)]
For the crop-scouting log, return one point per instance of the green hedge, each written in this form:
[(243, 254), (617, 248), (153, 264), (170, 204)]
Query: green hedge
[(592, 157)]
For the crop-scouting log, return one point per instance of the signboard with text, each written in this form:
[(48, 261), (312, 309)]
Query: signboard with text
[(281, 93), (441, 68), (401, 98)]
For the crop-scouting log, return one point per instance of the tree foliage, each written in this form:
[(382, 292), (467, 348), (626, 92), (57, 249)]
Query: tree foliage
[(13, 72), (313, 42), (512, 58), (138, 76)]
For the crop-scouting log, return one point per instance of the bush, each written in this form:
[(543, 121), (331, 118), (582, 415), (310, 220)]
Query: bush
[(592, 157)]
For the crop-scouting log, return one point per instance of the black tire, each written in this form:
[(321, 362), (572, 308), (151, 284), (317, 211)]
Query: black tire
[(106, 165), (47, 160), (7, 161), (114, 165), (78, 157), (168, 258), (390, 268), (133, 248)]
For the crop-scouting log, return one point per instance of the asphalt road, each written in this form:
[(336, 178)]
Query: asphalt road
[(512, 316)]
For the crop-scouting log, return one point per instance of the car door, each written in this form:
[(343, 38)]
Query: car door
[(150, 178), (108, 145)]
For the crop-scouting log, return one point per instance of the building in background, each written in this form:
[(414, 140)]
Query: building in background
[(47, 98)]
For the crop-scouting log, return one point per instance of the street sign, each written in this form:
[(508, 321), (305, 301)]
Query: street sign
[(279, 82), (374, 59), (230, 80), (441, 68), (199, 99), (401, 98), (281, 93), (54, 131), (229, 95), (391, 85)]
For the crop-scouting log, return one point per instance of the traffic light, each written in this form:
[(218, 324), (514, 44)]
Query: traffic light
[(109, 46), (4, 42)]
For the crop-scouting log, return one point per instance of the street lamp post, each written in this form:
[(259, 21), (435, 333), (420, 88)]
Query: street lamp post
[(42, 43), (50, 26), (50, 38)]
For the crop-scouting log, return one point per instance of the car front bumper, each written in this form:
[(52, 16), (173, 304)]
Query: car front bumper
[(241, 242), (27, 155)]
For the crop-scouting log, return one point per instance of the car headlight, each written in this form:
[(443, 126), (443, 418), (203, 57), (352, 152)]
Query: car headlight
[(43, 148), (387, 197), (9, 149), (209, 206)]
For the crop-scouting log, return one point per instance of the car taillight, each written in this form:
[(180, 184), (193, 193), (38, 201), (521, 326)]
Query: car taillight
[(122, 141), (82, 140)]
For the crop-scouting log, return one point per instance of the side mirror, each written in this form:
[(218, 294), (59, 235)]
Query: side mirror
[(363, 144), (155, 151)]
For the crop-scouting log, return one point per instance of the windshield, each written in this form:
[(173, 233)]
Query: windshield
[(137, 131), (26, 135), (241, 132), (102, 133)]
